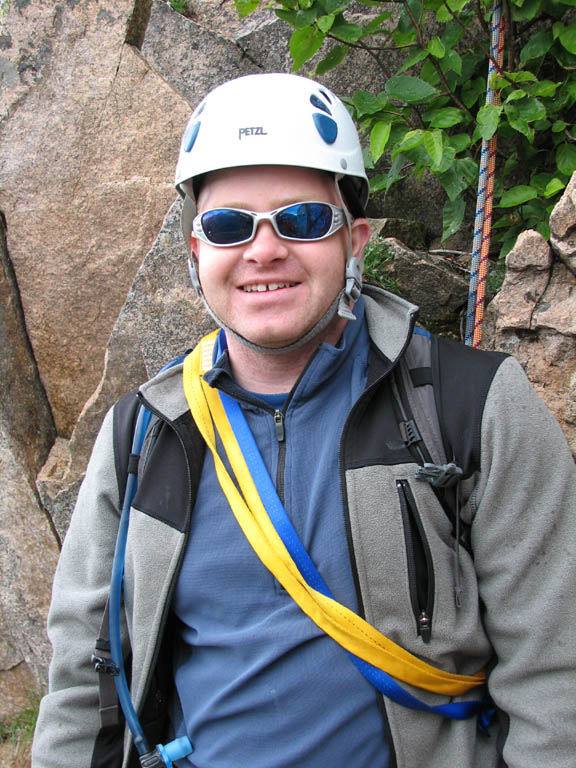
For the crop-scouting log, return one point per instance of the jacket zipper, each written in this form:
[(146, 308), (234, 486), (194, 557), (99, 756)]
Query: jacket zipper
[(420, 569), (344, 493), (280, 431), (279, 425)]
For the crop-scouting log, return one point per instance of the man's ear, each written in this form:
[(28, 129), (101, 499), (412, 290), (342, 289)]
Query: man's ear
[(361, 233)]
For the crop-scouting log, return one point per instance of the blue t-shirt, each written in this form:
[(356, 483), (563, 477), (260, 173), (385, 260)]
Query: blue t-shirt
[(259, 685)]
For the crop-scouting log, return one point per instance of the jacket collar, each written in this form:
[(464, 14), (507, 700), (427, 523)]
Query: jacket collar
[(390, 321)]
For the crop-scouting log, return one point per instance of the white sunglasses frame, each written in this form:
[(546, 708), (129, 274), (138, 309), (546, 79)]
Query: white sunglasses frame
[(338, 221)]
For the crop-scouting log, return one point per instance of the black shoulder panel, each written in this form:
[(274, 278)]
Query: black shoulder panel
[(166, 487), (124, 421), (372, 433), (462, 378)]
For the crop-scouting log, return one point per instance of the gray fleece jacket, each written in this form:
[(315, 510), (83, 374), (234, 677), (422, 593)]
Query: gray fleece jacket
[(518, 576)]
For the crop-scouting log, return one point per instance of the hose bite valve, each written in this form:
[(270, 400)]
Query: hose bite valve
[(163, 756)]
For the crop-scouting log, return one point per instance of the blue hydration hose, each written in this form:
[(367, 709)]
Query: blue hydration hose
[(162, 755)]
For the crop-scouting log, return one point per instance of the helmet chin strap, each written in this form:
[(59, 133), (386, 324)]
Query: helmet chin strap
[(340, 306), (354, 267), (316, 330)]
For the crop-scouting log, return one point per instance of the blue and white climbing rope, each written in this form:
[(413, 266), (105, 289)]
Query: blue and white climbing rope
[(483, 218)]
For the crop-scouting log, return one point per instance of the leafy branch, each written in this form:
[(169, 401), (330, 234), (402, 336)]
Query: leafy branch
[(430, 115)]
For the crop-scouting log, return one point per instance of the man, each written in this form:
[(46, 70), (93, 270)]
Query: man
[(240, 647)]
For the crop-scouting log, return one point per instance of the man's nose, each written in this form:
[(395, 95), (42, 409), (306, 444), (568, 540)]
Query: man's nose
[(266, 246)]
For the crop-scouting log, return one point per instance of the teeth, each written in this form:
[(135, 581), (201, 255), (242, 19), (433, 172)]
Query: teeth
[(266, 287)]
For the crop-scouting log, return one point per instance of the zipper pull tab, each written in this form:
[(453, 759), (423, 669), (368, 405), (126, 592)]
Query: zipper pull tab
[(424, 629), (458, 596), (279, 425)]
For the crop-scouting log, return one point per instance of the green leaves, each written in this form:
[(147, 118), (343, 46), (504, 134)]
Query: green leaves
[(452, 217), (517, 196), (414, 58), (429, 114), (566, 159), (379, 138), (325, 23), (410, 141), (522, 112), (446, 117), (487, 120), (304, 43), (434, 146), (566, 35), (348, 33), (437, 48), (538, 45), (333, 59), (553, 187), (246, 7), (366, 103), (409, 89), (443, 13), (546, 184)]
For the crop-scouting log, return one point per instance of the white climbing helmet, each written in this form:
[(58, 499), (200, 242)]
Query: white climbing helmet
[(269, 119), (275, 119)]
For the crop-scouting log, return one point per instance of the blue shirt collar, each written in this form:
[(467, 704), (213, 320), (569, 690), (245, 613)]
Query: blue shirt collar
[(326, 361)]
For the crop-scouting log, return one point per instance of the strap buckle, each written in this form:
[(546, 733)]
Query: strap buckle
[(104, 666), (440, 475)]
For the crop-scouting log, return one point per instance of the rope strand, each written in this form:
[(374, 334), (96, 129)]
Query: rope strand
[(483, 218)]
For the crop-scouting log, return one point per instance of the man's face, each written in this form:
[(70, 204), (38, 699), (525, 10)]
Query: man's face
[(301, 279)]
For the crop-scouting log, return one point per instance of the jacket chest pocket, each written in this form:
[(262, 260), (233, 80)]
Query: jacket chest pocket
[(419, 562)]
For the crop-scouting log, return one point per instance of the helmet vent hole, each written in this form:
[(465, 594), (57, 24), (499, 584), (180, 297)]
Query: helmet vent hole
[(326, 127), (199, 109), (319, 104), (343, 164), (190, 136), (328, 99)]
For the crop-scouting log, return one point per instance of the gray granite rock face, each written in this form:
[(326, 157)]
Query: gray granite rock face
[(28, 546), (87, 156), (563, 227), (28, 556), (190, 57), (161, 318), (89, 134), (428, 281), (24, 407)]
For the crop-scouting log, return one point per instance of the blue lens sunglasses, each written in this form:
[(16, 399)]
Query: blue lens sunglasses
[(305, 221)]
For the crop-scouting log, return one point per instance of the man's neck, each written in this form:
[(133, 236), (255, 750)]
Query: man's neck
[(276, 373)]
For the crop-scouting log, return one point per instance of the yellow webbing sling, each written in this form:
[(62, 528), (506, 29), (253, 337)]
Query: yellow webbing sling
[(344, 626)]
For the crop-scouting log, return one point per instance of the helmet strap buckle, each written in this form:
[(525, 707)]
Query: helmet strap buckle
[(193, 270)]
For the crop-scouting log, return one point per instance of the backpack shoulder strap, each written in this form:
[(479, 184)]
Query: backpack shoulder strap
[(124, 427), (125, 413), (446, 384), (416, 370)]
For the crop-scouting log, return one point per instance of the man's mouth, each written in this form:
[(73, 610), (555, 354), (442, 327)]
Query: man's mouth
[(261, 287)]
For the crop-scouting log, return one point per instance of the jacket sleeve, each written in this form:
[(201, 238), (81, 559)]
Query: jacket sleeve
[(524, 542), (69, 719)]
